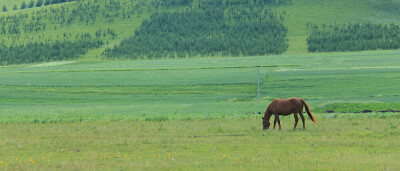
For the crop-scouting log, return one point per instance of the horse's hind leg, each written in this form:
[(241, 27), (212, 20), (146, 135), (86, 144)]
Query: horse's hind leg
[(296, 119), (303, 120), (279, 122)]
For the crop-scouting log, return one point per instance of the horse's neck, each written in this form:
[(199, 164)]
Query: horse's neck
[(267, 114)]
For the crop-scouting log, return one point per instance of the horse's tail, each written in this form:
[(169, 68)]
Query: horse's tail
[(308, 111)]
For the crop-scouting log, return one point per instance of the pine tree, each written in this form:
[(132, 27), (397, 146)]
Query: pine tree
[(39, 3), (47, 2), (23, 5), (31, 4), (5, 9), (15, 7)]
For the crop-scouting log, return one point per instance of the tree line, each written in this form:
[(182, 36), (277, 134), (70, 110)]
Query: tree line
[(37, 3), (213, 27), (86, 12), (64, 46), (190, 28), (48, 51), (19, 44), (353, 37)]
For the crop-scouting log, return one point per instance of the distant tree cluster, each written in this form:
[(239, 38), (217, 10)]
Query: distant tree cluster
[(189, 28), (37, 3), (42, 52), (16, 24), (105, 32), (169, 3), (256, 2), (211, 28), (87, 12), (19, 45), (353, 37)]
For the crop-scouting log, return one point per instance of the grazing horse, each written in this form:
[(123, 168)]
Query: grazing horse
[(286, 107)]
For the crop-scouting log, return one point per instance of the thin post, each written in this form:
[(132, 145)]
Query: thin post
[(258, 86)]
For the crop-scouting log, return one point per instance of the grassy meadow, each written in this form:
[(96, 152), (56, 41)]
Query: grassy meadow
[(208, 86), (201, 114), (202, 144)]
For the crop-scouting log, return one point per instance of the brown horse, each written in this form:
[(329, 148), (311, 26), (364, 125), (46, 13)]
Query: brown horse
[(286, 107)]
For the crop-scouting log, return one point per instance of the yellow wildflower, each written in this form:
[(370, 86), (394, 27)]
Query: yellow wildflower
[(32, 161)]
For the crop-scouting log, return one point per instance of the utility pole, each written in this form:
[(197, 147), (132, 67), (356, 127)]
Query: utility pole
[(258, 86)]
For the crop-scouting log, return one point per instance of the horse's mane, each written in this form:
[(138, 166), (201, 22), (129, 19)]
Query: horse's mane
[(271, 104)]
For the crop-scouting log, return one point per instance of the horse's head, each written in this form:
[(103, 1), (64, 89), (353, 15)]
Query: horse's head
[(265, 124)]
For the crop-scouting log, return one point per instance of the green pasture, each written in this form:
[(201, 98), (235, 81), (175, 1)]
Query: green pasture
[(202, 144), (201, 113), (180, 114), (207, 85)]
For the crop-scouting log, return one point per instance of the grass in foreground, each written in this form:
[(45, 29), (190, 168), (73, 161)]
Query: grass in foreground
[(228, 143)]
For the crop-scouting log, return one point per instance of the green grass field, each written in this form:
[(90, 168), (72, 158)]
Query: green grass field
[(200, 113), (202, 144), (211, 86)]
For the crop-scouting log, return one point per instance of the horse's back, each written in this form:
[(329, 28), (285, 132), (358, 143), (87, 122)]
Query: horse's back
[(296, 101), (286, 106)]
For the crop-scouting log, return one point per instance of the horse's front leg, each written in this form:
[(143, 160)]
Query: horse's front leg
[(279, 122), (274, 123)]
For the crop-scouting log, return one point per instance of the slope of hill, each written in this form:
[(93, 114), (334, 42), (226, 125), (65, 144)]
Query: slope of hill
[(117, 21), (212, 27), (9, 4), (334, 12), (90, 20)]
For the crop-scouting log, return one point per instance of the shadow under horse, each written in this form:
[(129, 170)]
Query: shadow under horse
[(286, 107)]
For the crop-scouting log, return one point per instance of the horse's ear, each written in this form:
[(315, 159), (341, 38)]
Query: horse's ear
[(263, 118)]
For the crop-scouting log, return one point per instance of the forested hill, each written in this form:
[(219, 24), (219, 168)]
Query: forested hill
[(211, 27), (34, 31)]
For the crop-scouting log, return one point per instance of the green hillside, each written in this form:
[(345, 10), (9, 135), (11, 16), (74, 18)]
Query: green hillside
[(334, 12), (241, 28), (107, 21), (210, 28), (10, 4)]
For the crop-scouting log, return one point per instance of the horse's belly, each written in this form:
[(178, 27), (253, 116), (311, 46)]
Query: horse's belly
[(284, 113), (285, 110)]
